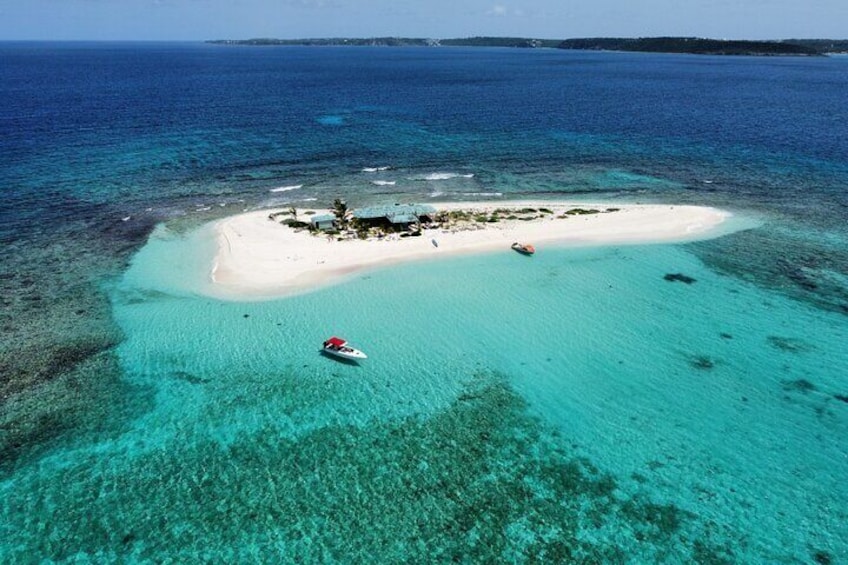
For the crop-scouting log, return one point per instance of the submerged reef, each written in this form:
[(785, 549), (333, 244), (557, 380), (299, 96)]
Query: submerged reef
[(785, 260), (679, 277), (82, 403), (59, 378), (702, 362), (790, 344), (482, 481), (799, 385)]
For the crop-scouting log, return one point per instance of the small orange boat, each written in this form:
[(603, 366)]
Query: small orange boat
[(524, 248)]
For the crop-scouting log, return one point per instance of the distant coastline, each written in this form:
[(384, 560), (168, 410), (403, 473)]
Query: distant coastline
[(692, 45)]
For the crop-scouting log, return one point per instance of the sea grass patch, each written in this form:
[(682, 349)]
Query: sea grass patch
[(482, 481)]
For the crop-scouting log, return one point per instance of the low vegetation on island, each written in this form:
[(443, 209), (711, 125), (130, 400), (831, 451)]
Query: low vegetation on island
[(346, 226)]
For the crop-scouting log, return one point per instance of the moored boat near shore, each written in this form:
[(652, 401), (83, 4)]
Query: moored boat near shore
[(338, 347), (524, 248)]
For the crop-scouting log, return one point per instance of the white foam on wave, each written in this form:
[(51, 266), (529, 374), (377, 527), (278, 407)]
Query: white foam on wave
[(375, 169), (286, 188), (436, 194), (445, 176), (384, 182), (482, 193), (309, 199)]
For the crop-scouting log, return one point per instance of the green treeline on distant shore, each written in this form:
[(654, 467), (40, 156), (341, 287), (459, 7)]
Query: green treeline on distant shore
[(696, 45), (400, 42), (690, 45), (823, 46), (321, 41), (500, 42)]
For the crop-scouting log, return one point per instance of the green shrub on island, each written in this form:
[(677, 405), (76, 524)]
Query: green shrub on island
[(458, 215), (295, 224), (582, 211), (362, 228), (482, 218)]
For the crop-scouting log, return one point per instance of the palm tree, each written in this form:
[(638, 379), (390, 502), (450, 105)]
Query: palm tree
[(340, 210)]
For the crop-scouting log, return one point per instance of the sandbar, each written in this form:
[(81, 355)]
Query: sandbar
[(259, 257)]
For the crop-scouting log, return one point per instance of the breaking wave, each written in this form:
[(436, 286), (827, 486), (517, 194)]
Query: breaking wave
[(444, 176)]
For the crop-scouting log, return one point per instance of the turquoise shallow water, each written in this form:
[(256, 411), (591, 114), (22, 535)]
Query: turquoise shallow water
[(571, 405), (577, 407)]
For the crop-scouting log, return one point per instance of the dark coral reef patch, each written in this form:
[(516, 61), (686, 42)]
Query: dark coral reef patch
[(789, 344), (481, 481), (679, 277)]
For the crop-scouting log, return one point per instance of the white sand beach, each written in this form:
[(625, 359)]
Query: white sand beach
[(260, 257)]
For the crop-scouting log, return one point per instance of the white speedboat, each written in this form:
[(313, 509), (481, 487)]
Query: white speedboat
[(338, 347)]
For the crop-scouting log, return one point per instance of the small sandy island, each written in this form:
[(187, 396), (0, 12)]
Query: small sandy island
[(259, 256)]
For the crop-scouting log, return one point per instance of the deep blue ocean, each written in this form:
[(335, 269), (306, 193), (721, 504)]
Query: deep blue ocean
[(582, 410)]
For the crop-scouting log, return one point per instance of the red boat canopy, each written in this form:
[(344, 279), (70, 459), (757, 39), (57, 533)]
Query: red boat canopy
[(335, 341)]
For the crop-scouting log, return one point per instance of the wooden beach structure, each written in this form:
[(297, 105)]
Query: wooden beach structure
[(395, 217)]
